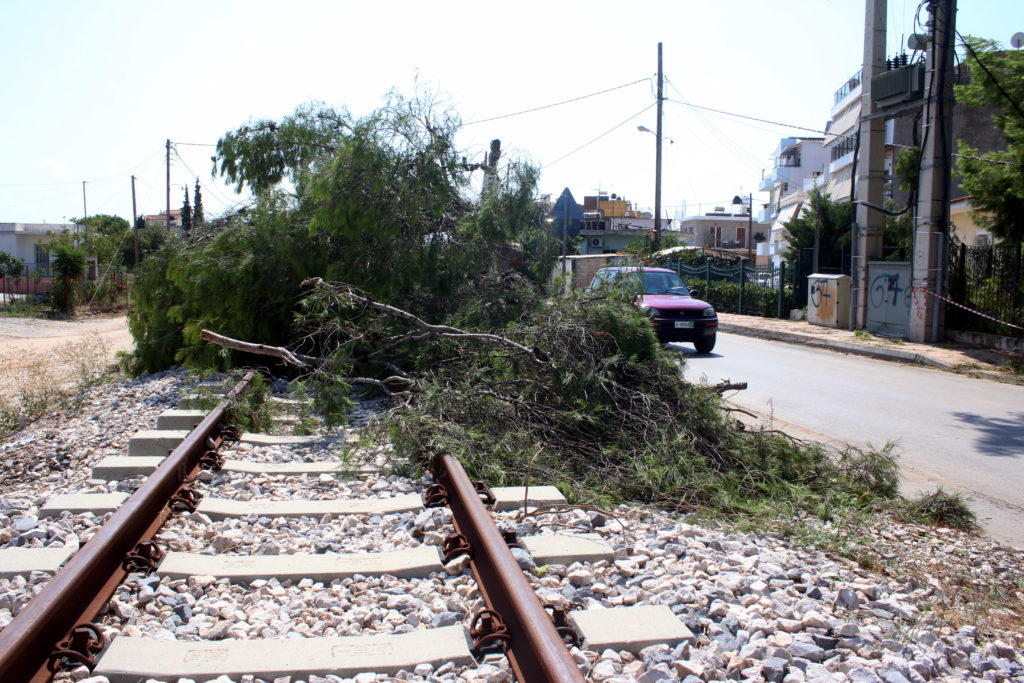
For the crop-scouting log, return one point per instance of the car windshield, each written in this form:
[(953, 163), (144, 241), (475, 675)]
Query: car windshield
[(663, 283), (645, 281)]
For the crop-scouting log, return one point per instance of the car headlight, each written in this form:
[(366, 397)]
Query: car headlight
[(709, 312)]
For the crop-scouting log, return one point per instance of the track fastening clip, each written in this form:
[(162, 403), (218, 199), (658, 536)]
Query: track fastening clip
[(488, 630), (81, 647)]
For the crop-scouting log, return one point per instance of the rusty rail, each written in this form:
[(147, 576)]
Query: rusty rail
[(56, 623), (514, 615)]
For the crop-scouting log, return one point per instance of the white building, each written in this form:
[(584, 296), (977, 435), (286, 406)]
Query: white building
[(26, 241), (798, 161)]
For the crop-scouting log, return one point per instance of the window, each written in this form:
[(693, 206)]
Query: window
[(42, 257)]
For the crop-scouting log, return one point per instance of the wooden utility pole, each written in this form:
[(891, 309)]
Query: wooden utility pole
[(931, 227), (135, 224), (870, 171), (657, 164), (168, 184)]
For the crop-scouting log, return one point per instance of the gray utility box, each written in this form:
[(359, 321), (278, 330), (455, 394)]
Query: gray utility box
[(890, 294), (828, 300)]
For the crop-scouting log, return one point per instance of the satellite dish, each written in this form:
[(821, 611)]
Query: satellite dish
[(1017, 40)]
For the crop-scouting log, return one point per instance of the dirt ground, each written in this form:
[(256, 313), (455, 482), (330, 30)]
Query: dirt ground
[(30, 346)]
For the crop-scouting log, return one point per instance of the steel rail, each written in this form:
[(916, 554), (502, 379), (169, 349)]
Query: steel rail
[(534, 648), (78, 592)]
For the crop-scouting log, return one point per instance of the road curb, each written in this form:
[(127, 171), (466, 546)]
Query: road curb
[(895, 355)]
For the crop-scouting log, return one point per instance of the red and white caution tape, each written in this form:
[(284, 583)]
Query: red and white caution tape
[(970, 310)]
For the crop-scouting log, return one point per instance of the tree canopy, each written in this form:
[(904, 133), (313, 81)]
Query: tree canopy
[(198, 217), (995, 179), (833, 222), (380, 201)]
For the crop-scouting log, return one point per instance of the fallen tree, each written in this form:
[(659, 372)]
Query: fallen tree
[(576, 393)]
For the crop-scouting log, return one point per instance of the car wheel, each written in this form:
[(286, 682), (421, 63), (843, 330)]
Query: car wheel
[(705, 345)]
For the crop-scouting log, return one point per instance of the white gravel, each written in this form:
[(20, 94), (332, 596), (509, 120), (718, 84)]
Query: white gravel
[(762, 609)]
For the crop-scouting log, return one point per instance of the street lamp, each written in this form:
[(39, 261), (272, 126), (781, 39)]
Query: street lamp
[(645, 129)]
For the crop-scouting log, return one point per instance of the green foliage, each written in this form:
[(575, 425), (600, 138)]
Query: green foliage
[(198, 217), (995, 180), (724, 296), (377, 201), (186, 215), (108, 238), (643, 245), (251, 411), (69, 261), (833, 223), (611, 419), (262, 154), (11, 266), (151, 239), (941, 508)]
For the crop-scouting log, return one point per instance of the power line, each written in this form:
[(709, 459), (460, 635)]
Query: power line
[(741, 154), (556, 104), (585, 144), (210, 190), (749, 118)]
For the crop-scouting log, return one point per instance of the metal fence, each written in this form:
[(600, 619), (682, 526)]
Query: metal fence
[(751, 290), (989, 280)]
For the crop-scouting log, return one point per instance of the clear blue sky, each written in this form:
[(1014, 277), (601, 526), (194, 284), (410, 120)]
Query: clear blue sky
[(91, 90)]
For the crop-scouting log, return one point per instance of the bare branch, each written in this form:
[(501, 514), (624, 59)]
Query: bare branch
[(443, 331), (297, 359)]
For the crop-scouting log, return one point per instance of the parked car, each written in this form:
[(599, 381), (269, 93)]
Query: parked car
[(660, 293)]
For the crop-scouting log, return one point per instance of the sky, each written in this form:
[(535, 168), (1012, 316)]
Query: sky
[(91, 91)]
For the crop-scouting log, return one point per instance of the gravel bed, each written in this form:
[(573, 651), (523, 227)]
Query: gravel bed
[(244, 486), (761, 608)]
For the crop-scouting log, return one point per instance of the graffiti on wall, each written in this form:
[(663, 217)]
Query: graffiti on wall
[(890, 297)]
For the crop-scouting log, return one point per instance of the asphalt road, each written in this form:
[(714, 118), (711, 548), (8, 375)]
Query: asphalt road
[(951, 431)]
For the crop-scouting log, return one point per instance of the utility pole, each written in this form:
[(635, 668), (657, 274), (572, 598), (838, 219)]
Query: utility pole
[(750, 225), (85, 213), (870, 171), (657, 164), (135, 224), (565, 229), (931, 227), (168, 184)]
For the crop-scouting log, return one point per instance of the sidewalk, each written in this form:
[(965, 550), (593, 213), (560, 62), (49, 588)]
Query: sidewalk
[(952, 356)]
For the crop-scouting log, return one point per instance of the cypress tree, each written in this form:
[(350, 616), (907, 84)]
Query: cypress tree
[(186, 216), (197, 210)]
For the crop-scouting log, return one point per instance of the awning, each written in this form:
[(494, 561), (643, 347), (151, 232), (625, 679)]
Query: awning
[(785, 215), (846, 124)]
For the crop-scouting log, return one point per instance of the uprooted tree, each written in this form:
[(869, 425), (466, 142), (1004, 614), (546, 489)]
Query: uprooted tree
[(379, 200), (577, 392), (478, 361)]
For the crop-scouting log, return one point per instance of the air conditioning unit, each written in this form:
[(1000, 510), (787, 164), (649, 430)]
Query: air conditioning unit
[(597, 243)]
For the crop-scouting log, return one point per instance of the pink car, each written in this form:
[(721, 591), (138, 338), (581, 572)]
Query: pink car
[(662, 295)]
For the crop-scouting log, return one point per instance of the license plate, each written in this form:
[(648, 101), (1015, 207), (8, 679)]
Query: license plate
[(684, 324)]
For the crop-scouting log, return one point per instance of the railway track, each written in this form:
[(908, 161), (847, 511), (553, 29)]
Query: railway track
[(257, 558)]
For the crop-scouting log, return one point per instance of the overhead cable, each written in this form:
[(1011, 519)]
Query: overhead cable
[(585, 144), (743, 116), (556, 104)]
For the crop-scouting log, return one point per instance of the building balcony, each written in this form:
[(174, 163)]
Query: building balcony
[(765, 216), (814, 182), (840, 163)]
